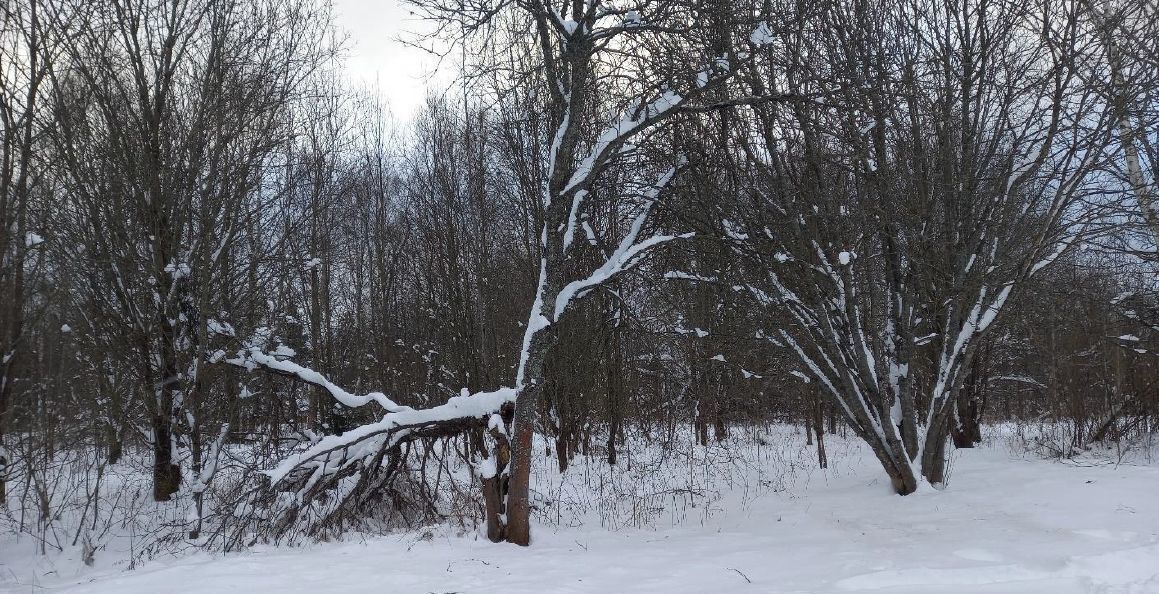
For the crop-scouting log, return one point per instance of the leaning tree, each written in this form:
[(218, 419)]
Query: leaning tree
[(608, 94)]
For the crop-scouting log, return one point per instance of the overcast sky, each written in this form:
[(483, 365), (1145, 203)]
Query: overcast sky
[(374, 52)]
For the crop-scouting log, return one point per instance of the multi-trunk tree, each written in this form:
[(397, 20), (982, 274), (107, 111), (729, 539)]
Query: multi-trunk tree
[(952, 158)]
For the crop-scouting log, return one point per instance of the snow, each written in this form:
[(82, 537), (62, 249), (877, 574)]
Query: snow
[(178, 270), (576, 205), (221, 328), (844, 258), (623, 129), (626, 255), (731, 232), (32, 239), (681, 275), (762, 35), (369, 438), (1121, 296), (254, 357), (1049, 259), (486, 468), (995, 307), (1005, 524)]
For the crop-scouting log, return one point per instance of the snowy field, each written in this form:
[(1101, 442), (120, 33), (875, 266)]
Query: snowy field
[(1007, 523)]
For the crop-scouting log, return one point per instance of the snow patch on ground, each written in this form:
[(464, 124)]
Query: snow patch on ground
[(1004, 524)]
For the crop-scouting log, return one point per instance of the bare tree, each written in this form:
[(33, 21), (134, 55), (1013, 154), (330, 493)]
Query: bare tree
[(26, 52), (953, 161), (601, 106), (164, 130)]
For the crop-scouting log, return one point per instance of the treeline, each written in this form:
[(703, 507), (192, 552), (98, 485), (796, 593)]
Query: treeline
[(902, 217)]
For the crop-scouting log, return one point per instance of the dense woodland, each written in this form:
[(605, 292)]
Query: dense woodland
[(898, 219)]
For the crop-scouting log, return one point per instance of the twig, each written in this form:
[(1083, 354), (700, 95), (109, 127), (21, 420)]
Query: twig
[(746, 578)]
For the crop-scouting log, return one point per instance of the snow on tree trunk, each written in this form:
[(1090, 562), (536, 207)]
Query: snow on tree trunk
[(537, 342)]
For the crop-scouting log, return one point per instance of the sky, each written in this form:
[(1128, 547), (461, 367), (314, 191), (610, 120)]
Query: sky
[(375, 55)]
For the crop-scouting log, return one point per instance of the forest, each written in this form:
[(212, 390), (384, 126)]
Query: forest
[(242, 304)]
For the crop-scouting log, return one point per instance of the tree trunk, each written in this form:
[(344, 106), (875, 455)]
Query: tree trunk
[(561, 451), (530, 386), (495, 487), (519, 486), (115, 442), (819, 426), (719, 427), (615, 391), (166, 474), (902, 478), (701, 428), (967, 430), (934, 454)]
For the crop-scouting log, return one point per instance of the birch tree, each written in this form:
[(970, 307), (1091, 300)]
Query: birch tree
[(1126, 32)]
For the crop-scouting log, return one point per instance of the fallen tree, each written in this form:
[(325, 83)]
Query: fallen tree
[(340, 474), (599, 127)]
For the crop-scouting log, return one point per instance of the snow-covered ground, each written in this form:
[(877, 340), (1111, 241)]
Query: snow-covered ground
[(1007, 523)]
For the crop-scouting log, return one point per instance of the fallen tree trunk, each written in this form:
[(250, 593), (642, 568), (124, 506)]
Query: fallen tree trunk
[(317, 478)]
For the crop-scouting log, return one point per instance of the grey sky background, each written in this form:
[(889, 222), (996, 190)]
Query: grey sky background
[(374, 53)]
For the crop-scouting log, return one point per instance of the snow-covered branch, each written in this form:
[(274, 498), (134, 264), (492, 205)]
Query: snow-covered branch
[(254, 358), (333, 452), (626, 254)]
